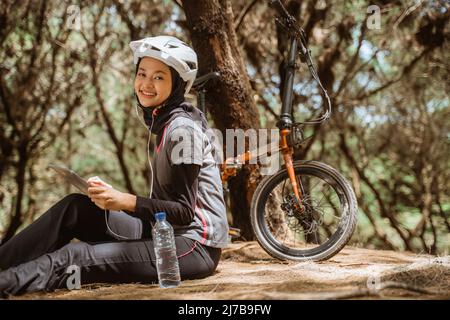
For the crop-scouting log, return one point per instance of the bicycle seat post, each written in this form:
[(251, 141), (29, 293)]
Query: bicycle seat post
[(199, 86)]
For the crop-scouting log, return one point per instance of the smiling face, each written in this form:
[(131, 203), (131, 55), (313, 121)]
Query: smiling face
[(153, 83)]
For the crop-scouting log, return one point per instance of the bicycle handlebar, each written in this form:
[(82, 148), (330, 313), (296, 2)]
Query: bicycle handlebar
[(290, 23)]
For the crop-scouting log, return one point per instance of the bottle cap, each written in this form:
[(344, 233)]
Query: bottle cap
[(160, 216)]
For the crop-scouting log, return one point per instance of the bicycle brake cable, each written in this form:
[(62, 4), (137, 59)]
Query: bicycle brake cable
[(290, 24)]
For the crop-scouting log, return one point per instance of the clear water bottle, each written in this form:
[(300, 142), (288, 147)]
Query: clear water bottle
[(166, 253)]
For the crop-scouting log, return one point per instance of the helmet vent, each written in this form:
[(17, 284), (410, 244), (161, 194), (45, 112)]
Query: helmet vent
[(191, 65)]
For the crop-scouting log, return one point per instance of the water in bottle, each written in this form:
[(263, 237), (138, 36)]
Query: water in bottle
[(165, 251)]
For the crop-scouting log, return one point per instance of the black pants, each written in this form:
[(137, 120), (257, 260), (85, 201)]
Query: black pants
[(39, 257)]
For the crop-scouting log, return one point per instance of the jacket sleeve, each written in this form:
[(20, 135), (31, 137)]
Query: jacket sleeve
[(180, 212)]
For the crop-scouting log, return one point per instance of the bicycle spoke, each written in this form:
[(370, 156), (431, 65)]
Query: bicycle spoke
[(310, 189), (327, 230), (327, 198), (303, 231)]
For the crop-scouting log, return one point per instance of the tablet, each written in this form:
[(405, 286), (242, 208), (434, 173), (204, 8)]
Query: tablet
[(71, 177)]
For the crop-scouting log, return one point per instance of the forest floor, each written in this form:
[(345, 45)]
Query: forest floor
[(246, 271)]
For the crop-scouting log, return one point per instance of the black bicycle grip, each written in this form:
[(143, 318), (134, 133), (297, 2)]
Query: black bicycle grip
[(280, 9)]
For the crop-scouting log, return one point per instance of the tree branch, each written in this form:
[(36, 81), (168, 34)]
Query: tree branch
[(244, 12)]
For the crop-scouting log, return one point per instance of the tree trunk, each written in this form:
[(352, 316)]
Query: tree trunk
[(229, 100)]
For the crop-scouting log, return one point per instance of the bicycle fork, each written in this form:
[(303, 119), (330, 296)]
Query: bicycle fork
[(287, 157)]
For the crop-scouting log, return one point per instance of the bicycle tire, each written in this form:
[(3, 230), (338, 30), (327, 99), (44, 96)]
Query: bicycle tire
[(339, 238)]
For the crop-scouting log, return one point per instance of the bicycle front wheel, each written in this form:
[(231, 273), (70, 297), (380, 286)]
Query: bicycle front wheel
[(317, 232)]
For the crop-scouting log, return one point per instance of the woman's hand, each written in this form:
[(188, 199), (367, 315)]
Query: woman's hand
[(108, 198), (96, 180)]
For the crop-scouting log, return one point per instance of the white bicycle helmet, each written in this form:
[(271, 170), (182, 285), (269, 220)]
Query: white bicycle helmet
[(170, 50)]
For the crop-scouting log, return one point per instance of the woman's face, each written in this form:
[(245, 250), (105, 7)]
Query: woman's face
[(153, 83)]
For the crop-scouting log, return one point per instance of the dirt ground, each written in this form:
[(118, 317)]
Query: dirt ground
[(246, 271)]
